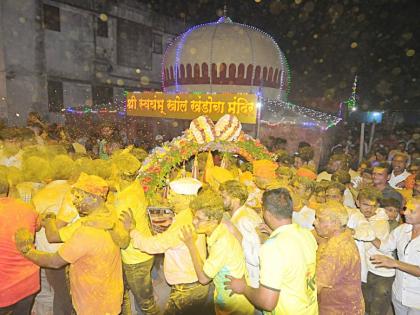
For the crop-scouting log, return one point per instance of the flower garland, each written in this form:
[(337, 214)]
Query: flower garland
[(157, 166)]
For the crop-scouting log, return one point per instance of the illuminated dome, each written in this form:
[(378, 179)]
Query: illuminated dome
[(223, 57)]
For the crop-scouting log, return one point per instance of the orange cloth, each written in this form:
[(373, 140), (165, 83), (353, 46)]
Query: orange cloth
[(264, 168), (410, 181), (19, 277), (92, 184), (95, 271), (306, 172)]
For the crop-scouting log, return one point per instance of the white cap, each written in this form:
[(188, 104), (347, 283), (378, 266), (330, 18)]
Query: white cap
[(186, 186)]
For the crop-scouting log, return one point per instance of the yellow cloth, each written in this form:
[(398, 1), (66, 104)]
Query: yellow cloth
[(177, 266), (323, 176), (27, 190), (246, 178), (92, 184), (226, 258), (287, 264), (67, 211), (70, 229), (49, 199), (217, 175), (264, 168), (79, 148), (95, 272), (132, 197)]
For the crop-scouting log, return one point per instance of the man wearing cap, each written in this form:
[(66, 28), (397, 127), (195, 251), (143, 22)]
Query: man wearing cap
[(187, 295), (95, 261)]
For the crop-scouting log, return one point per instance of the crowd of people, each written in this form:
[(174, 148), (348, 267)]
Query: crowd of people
[(272, 237)]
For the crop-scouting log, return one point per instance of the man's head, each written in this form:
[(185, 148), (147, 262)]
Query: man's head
[(337, 162), (380, 175), (341, 176), (368, 201), (88, 193), (107, 130), (330, 219), (303, 156), (208, 209), (335, 192), (412, 212), (320, 191), (401, 146), (182, 192), (264, 172), (284, 173), (367, 177), (392, 207), (277, 205), (399, 163), (381, 155), (302, 186), (234, 194)]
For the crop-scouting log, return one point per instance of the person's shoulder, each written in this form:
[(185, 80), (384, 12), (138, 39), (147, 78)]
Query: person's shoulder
[(402, 228)]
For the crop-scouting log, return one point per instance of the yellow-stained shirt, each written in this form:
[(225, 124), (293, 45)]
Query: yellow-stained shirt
[(177, 266), (67, 211), (132, 197), (287, 262), (226, 258), (95, 271), (49, 199)]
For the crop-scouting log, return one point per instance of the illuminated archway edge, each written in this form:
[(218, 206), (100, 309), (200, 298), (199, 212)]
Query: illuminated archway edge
[(158, 164)]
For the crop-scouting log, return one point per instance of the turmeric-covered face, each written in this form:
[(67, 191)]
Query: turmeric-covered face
[(412, 212), (368, 207), (83, 201)]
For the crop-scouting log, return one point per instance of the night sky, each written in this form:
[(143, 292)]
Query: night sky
[(328, 42)]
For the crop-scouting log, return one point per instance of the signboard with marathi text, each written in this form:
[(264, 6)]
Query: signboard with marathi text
[(190, 106)]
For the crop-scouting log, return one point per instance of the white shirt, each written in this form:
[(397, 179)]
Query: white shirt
[(406, 287), (246, 221), (360, 225), (349, 199), (305, 217), (379, 224), (394, 180)]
